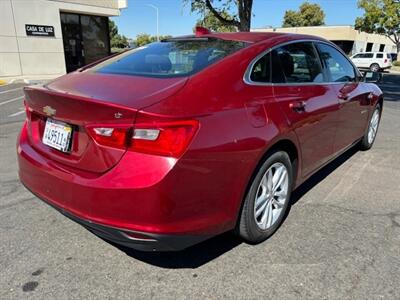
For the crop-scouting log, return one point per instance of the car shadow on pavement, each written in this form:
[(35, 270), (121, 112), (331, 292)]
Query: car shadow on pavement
[(208, 250), (322, 174), (192, 257)]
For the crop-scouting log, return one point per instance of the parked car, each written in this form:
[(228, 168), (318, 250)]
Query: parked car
[(394, 57), (156, 156), (374, 61)]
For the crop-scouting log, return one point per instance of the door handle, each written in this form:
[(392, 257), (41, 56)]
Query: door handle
[(298, 106), (343, 97)]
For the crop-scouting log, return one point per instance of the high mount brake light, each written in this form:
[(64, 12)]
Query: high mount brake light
[(151, 137), (201, 31)]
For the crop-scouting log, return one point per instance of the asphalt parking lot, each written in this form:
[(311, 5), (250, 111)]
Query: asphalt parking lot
[(341, 239)]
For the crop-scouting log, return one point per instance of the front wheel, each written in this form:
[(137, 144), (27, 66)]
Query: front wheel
[(370, 135), (267, 200)]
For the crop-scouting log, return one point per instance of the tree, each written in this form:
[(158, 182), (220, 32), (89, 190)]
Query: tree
[(144, 39), (116, 40), (382, 17), (241, 20), (308, 15), (211, 22)]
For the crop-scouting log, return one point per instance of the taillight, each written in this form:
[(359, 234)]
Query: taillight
[(386, 60), (111, 136), (169, 138), (27, 111), (163, 138)]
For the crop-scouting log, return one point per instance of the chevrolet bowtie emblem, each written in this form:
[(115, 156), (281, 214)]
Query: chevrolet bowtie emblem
[(48, 110)]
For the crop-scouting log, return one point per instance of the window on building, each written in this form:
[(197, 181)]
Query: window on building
[(382, 47), (339, 67), (369, 47)]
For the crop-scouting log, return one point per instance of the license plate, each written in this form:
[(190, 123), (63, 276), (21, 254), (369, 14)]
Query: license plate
[(57, 135)]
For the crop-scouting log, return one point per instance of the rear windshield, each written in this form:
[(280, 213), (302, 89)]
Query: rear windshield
[(172, 58)]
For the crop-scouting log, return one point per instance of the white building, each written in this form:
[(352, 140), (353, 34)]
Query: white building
[(346, 37), (47, 38)]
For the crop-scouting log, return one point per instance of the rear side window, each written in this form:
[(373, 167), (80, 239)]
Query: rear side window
[(172, 58), (261, 71), (368, 55), (338, 66), (379, 55), (388, 55), (298, 62)]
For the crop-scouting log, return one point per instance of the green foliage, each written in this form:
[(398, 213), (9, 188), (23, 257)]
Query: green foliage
[(116, 40), (382, 17), (308, 15), (396, 63), (230, 13), (144, 39), (211, 22)]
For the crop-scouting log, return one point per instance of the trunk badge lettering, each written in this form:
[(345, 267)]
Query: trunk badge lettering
[(117, 115), (48, 110)]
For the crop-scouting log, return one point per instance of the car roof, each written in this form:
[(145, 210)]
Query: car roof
[(252, 37)]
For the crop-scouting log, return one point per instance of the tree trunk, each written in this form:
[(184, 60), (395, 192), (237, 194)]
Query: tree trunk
[(244, 12), (398, 51)]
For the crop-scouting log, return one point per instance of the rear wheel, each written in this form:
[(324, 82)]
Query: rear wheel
[(267, 200), (374, 68), (370, 135)]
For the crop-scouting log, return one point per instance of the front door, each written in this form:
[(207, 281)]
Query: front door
[(72, 39), (85, 39), (352, 96)]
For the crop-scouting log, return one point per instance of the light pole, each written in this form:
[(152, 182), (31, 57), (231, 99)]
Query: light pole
[(156, 8)]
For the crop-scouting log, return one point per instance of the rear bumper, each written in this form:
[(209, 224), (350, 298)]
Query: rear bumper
[(132, 239), (127, 199)]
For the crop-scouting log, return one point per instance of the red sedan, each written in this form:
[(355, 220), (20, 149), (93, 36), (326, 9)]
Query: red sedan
[(166, 145)]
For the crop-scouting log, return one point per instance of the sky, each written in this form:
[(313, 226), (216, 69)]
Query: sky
[(176, 19)]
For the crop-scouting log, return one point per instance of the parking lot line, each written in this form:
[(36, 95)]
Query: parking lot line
[(17, 113), (11, 100), (12, 90)]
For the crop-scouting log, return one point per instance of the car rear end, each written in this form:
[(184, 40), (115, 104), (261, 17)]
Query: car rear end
[(384, 60), (89, 148)]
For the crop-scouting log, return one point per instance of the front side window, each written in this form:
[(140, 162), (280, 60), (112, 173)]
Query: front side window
[(338, 66), (298, 62), (171, 58)]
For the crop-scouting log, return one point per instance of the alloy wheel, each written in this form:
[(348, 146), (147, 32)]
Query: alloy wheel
[(271, 196), (373, 126)]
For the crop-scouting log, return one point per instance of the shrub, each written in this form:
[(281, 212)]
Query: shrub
[(396, 63)]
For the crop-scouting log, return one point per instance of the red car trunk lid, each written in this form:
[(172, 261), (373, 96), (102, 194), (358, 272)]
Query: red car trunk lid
[(82, 99)]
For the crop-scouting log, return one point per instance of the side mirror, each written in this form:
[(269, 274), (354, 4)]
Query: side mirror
[(374, 77)]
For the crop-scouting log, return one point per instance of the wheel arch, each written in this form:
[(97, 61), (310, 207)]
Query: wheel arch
[(284, 144)]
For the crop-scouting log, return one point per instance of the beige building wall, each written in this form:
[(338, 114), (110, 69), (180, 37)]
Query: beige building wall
[(34, 56), (340, 33)]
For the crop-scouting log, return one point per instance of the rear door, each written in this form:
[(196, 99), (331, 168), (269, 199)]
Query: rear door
[(351, 95), (310, 105)]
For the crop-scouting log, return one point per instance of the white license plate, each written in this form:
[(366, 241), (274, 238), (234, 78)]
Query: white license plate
[(57, 135)]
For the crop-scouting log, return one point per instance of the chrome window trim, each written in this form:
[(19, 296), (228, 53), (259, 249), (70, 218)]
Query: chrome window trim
[(248, 81)]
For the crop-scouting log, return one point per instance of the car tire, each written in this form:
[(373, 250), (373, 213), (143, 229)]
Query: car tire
[(370, 134), (374, 68), (253, 227)]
